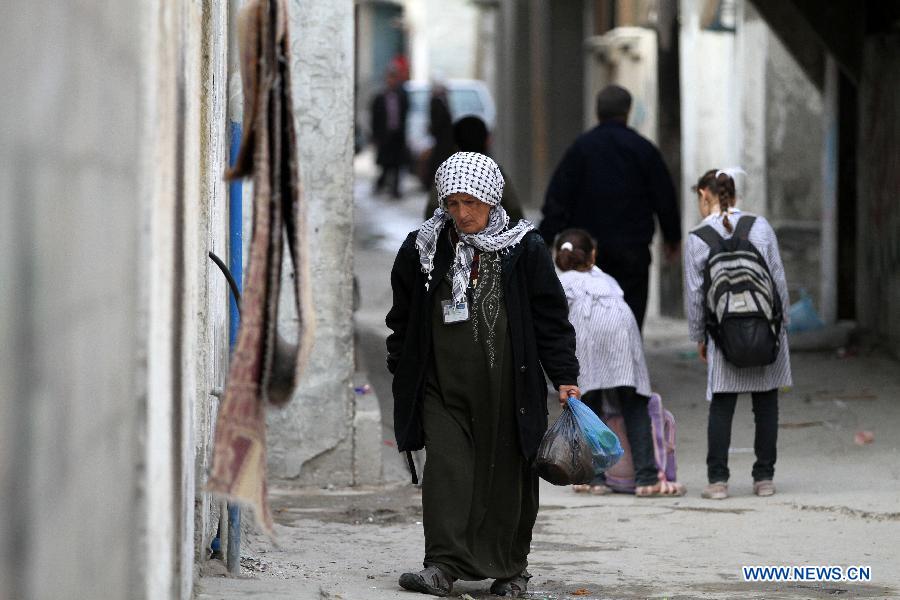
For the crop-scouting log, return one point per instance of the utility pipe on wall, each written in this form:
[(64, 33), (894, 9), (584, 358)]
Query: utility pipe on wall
[(235, 241), (235, 265)]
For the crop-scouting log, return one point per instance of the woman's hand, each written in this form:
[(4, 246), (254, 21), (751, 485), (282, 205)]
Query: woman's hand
[(568, 390), (701, 350)]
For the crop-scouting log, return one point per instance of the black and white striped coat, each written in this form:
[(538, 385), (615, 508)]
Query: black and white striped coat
[(721, 375)]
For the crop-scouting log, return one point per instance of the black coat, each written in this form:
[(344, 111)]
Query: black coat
[(541, 336), (390, 144), (611, 182)]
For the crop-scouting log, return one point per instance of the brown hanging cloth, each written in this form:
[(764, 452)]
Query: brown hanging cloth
[(264, 367)]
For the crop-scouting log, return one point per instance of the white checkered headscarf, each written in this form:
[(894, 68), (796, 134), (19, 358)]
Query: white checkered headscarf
[(478, 175)]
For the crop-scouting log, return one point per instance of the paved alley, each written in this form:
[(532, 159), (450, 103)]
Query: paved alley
[(838, 503)]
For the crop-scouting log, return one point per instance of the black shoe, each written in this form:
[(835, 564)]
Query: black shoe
[(430, 580), (513, 587)]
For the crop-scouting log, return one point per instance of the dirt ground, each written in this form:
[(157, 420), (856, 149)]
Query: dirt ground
[(838, 503)]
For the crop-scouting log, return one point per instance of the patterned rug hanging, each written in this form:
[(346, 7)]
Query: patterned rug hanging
[(264, 367)]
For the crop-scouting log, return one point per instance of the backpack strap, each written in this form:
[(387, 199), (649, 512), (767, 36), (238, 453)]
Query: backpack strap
[(742, 231), (709, 235)]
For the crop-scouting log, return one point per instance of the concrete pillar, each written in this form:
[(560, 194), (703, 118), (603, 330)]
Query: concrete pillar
[(486, 42), (87, 313), (416, 20), (878, 179), (162, 125), (564, 100), (311, 440), (211, 315), (794, 126), (828, 292), (708, 116), (432, 24), (752, 40), (512, 138)]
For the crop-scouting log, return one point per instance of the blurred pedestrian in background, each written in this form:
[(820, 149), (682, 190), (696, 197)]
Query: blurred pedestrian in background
[(440, 126), (611, 182), (389, 109)]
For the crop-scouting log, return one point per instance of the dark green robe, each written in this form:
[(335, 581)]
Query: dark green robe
[(479, 495)]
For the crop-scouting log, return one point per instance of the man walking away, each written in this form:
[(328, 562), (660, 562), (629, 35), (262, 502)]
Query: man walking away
[(611, 182)]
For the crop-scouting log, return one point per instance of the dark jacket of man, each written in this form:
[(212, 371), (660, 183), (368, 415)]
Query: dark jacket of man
[(611, 182), (542, 338), (391, 143)]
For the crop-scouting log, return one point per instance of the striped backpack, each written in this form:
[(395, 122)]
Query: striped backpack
[(620, 476), (743, 310)]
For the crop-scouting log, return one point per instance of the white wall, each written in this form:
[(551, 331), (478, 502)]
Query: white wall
[(709, 107), (442, 38)]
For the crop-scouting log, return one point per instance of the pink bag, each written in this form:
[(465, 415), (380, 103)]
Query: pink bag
[(620, 477)]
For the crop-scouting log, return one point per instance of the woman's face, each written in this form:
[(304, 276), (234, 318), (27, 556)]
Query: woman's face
[(469, 213)]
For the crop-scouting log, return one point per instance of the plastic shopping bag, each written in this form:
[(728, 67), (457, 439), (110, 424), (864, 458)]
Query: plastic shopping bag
[(565, 456), (605, 446)]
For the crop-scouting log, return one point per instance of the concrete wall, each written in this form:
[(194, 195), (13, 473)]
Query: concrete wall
[(709, 112), (433, 24), (210, 356), (111, 322), (73, 399), (878, 215), (794, 146), (540, 79), (311, 440)]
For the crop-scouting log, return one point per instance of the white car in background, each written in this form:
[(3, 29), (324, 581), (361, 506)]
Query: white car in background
[(465, 97)]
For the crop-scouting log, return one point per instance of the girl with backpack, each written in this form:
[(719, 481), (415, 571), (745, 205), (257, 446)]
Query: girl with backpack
[(737, 303), (611, 357)]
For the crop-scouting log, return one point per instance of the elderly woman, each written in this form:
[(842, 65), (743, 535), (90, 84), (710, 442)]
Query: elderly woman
[(478, 317)]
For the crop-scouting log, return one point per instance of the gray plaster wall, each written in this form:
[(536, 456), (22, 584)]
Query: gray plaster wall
[(112, 323), (878, 180), (539, 79), (311, 441), (794, 141), (71, 399), (211, 234)]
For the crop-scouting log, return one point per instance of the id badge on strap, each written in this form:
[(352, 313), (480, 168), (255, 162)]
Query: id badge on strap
[(455, 312)]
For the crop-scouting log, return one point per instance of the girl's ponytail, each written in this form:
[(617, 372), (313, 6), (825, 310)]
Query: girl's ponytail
[(573, 250), (725, 192), (720, 184)]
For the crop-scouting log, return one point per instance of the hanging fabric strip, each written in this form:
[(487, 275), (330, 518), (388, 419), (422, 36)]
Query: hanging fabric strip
[(264, 366)]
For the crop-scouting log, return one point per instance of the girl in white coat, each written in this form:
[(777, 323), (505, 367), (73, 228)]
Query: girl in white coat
[(716, 197), (610, 354)]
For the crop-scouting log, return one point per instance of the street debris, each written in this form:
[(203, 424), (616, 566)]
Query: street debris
[(801, 424), (863, 438)]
